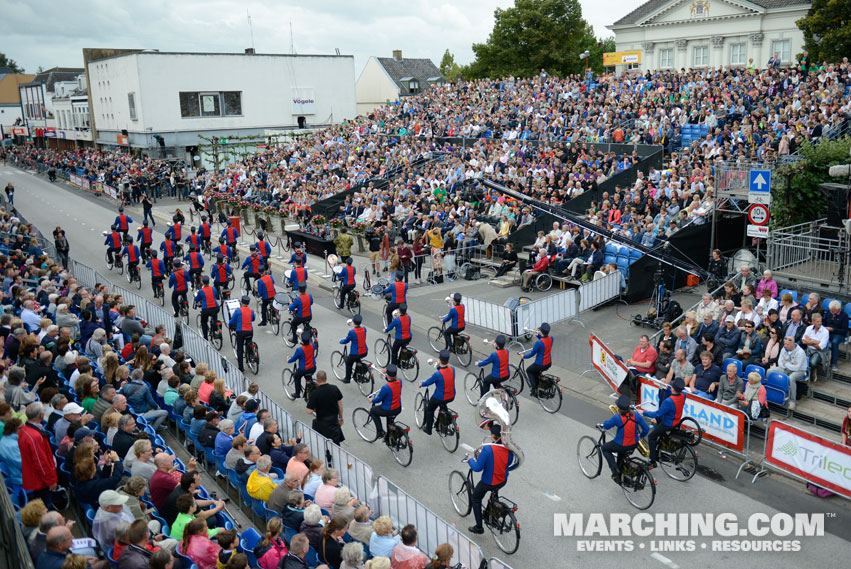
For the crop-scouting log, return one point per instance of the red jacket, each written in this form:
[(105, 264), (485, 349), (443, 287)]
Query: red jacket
[(541, 266), (38, 467)]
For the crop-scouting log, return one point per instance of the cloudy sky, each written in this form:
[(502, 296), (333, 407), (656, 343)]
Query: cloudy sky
[(51, 33)]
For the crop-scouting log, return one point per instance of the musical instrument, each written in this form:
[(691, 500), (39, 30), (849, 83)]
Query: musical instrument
[(642, 444), (492, 409)]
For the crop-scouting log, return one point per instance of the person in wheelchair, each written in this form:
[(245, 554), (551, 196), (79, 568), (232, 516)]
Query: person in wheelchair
[(541, 266), (631, 428)]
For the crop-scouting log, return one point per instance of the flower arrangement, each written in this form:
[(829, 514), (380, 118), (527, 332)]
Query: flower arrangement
[(336, 223), (271, 210), (359, 227), (244, 204), (318, 220)]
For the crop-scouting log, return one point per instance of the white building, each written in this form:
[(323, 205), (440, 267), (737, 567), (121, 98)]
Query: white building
[(169, 99), (71, 110), (676, 34), (385, 79), (37, 96)]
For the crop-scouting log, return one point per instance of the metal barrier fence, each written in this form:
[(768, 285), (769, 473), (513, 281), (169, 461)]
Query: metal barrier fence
[(552, 309), (489, 315), (599, 291), (494, 563), (13, 547), (808, 254), (357, 475), (202, 351), (432, 530)]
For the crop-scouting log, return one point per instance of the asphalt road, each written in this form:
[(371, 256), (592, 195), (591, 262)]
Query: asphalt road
[(549, 482)]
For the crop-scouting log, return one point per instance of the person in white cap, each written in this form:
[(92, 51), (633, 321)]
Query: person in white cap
[(112, 511), (70, 413)]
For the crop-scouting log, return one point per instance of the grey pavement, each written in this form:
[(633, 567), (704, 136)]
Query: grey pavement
[(550, 481)]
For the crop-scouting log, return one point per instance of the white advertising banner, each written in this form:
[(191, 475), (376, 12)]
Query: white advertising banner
[(304, 101), (813, 458), (604, 361)]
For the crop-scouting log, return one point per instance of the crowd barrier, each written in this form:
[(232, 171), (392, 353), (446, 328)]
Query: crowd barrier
[(553, 308), (13, 547), (599, 291), (495, 563), (432, 530), (489, 315)]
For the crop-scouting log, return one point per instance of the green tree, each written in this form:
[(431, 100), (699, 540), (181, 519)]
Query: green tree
[(534, 35), (448, 67), (10, 63), (827, 30), (798, 197)]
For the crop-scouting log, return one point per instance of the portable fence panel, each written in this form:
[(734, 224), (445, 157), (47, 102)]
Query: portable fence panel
[(156, 316), (315, 442), (286, 424), (403, 509), (552, 309), (488, 315), (84, 274), (599, 291), (137, 300), (357, 475), (495, 563)]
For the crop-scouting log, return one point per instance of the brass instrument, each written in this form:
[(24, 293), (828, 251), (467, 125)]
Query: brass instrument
[(642, 444), (492, 408)]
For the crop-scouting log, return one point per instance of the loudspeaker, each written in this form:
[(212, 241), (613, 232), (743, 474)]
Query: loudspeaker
[(838, 203)]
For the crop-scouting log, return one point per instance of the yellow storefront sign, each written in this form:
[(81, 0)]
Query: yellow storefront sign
[(621, 57)]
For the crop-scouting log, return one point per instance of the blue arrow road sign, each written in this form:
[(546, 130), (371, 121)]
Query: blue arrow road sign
[(760, 181)]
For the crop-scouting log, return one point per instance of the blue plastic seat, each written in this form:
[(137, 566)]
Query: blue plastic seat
[(737, 363), (247, 540), (805, 298), (259, 508), (312, 557), (182, 561), (233, 481), (790, 292), (755, 368), (777, 388)]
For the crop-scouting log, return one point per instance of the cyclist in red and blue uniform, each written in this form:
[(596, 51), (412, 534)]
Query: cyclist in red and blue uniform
[(402, 325), (252, 266), (168, 251), (145, 237), (499, 367), (266, 291), (224, 250), (302, 310), (205, 231), (631, 428), (444, 391), (194, 239), (455, 317), (207, 298), (175, 231), (388, 402), (122, 222), (494, 461), (157, 268), (357, 338), (668, 416), (240, 322), (305, 355), (132, 253), (195, 261), (230, 234), (263, 247), (113, 244), (542, 352), (298, 276), (220, 272), (298, 255), (179, 283), (398, 292), (347, 280)]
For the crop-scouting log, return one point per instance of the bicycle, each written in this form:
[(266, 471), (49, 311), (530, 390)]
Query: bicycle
[(251, 353), (472, 387), (159, 292), (497, 515), (274, 318), (361, 374), (214, 333), (460, 347), (676, 454), (637, 484), (549, 392), (206, 249), (116, 263), (352, 299), (409, 363), (133, 276), (397, 438), (195, 281), (445, 422), (287, 326), (288, 381)]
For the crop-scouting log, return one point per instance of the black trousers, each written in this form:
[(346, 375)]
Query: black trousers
[(377, 412), (534, 372), (478, 495), (296, 322), (344, 293), (396, 348), (431, 407), (264, 310), (242, 339), (350, 364), (208, 316), (176, 297), (489, 383), (653, 437), (610, 449), (300, 373), (110, 252), (449, 335), (388, 311)]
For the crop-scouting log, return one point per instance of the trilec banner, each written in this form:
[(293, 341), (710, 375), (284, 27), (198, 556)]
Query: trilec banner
[(604, 361), (813, 458), (720, 423)]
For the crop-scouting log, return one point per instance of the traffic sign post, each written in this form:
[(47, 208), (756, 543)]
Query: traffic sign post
[(758, 214), (759, 187)]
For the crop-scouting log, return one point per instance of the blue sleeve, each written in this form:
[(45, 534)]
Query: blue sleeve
[(612, 422), (296, 357), (448, 317), (665, 408), (149, 399), (129, 220), (393, 325), (232, 321), (642, 424), (199, 295), (478, 464), (491, 359), (349, 337), (253, 316), (171, 280), (538, 348), (382, 394), (435, 377)]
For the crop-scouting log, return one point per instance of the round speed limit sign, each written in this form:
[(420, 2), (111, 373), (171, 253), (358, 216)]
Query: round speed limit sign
[(758, 214)]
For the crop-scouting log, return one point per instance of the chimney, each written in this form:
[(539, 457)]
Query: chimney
[(397, 54), (249, 51)]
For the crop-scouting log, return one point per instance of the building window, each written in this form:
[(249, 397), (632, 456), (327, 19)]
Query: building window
[(666, 58), (738, 53), (701, 56), (210, 104), (131, 102), (783, 48)]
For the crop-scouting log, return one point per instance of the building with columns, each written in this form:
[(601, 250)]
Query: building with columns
[(677, 34)]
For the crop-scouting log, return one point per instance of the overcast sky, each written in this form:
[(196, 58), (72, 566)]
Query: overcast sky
[(52, 33)]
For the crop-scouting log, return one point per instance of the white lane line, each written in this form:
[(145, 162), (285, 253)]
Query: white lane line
[(664, 560), (551, 496)]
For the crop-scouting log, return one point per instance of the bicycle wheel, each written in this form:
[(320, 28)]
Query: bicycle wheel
[(551, 404), (451, 437), (589, 456), (471, 388), (254, 359), (640, 489), (435, 338), (245, 287), (233, 342), (161, 295), (275, 320), (413, 372), (403, 450), (466, 354), (354, 305), (120, 266), (198, 321), (364, 425), (516, 379), (338, 365), (109, 263), (366, 384), (689, 424), (288, 382), (460, 493), (680, 464), (513, 408), (216, 337), (382, 352), (419, 410), (487, 272), (137, 278), (287, 337), (506, 532)]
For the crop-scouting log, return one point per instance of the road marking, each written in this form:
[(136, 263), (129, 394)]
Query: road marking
[(551, 496), (664, 560)]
